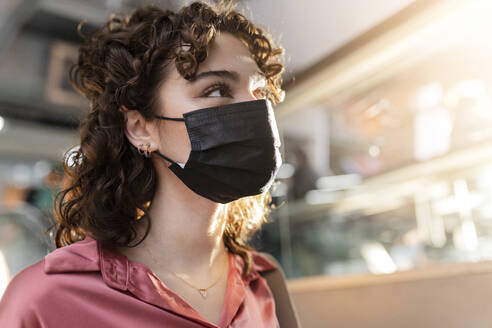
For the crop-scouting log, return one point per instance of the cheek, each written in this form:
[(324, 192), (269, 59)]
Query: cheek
[(175, 142), (176, 99)]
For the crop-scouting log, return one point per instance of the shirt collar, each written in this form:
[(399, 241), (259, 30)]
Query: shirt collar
[(89, 255), (120, 273)]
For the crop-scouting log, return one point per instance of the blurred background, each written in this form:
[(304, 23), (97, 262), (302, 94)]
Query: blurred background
[(386, 128)]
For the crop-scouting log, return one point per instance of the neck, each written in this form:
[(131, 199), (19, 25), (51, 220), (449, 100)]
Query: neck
[(186, 232)]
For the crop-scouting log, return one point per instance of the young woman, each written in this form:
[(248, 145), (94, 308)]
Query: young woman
[(171, 178)]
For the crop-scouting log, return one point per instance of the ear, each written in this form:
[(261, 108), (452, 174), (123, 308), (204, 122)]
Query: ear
[(138, 131)]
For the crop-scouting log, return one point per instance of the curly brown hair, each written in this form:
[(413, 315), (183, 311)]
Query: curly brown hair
[(123, 63)]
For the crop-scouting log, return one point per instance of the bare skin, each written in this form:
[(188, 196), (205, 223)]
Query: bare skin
[(186, 234)]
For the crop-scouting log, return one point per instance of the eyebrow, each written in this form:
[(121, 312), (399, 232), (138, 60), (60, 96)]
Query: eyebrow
[(231, 75)]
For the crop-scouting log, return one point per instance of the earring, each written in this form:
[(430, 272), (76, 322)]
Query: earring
[(147, 151), (139, 148)]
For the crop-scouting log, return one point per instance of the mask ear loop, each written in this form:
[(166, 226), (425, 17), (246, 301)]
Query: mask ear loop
[(165, 157), (169, 119)]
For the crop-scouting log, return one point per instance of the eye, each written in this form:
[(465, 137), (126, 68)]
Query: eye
[(219, 89)]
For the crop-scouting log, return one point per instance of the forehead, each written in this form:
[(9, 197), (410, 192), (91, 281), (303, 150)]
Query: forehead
[(228, 52), (225, 52)]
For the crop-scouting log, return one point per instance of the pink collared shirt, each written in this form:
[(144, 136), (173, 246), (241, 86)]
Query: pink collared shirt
[(86, 285)]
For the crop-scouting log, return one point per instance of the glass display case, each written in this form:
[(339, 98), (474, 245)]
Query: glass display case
[(409, 148)]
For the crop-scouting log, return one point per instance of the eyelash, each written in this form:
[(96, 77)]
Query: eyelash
[(218, 86)]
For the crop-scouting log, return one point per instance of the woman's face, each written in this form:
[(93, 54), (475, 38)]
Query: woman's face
[(228, 75)]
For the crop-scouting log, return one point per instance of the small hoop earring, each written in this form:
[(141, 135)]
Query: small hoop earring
[(139, 149), (147, 151)]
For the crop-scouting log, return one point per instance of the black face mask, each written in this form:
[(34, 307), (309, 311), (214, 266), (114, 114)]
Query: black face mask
[(234, 150)]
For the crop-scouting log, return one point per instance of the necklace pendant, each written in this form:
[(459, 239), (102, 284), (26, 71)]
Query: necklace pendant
[(203, 292)]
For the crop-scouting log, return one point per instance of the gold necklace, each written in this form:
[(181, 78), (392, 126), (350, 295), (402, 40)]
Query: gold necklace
[(202, 291)]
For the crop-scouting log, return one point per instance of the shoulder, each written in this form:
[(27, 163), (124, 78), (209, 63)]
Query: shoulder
[(270, 269), (263, 256), (264, 262), (18, 303), (29, 280), (41, 287), (276, 280)]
